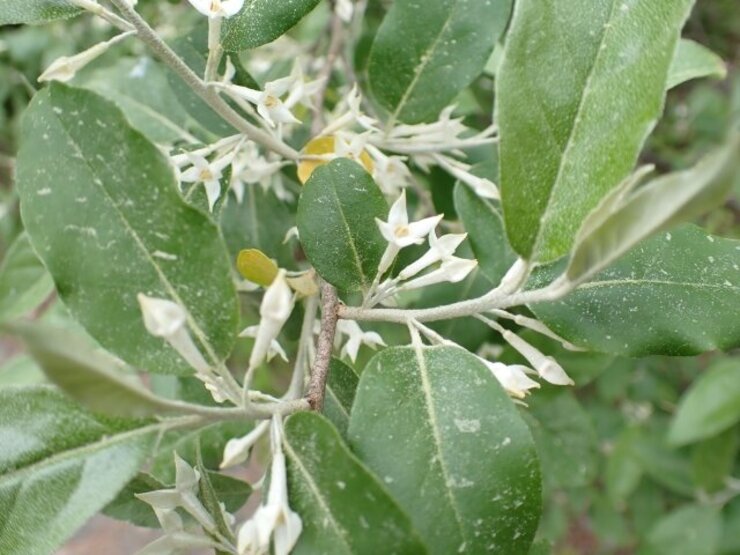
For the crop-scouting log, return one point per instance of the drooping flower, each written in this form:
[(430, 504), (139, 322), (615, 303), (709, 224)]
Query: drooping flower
[(237, 449), (65, 68), (513, 378), (356, 337), (277, 304), (452, 270)]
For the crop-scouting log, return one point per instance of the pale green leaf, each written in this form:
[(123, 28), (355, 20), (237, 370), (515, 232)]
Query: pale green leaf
[(437, 427), (35, 11), (24, 282), (677, 293), (21, 370), (710, 406), (336, 222), (425, 53), (581, 85), (104, 214), (713, 459), (262, 21), (59, 466), (659, 205), (694, 61), (689, 530), (345, 509)]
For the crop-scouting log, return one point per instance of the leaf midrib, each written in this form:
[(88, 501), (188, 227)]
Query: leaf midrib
[(350, 238), (618, 282)]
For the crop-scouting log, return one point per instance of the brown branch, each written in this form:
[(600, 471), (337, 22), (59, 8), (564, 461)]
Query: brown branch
[(320, 371)]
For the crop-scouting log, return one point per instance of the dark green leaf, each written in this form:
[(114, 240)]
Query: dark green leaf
[(425, 53), (345, 509), (24, 282), (59, 465), (104, 213), (210, 499), (35, 11), (710, 406), (677, 293), (340, 394), (694, 61), (336, 222), (436, 426), (713, 459), (262, 21), (581, 85)]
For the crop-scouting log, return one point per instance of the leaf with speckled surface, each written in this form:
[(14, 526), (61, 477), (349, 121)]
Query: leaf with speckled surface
[(59, 465), (263, 21), (104, 214), (345, 509), (581, 85), (675, 294), (425, 53), (35, 11), (437, 427), (336, 223)]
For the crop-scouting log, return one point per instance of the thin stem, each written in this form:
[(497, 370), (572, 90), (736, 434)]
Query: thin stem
[(200, 87), (320, 371), (215, 51), (262, 411), (299, 371)]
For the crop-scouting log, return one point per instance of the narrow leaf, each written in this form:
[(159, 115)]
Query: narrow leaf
[(336, 222), (35, 11), (694, 61), (425, 53), (437, 427), (581, 85), (710, 406), (345, 509), (109, 223), (340, 394), (659, 205), (24, 282)]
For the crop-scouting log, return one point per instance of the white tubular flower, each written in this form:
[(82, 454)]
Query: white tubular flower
[(237, 449), (452, 270), (344, 9), (357, 337), (390, 172), (483, 187), (250, 167), (277, 304), (208, 173), (400, 233), (439, 249), (302, 92), (217, 8), (275, 348), (349, 113), (275, 518), (167, 320), (512, 378), (548, 369), (268, 102), (66, 67)]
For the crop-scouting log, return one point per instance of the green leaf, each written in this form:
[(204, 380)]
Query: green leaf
[(262, 21), (101, 207), (141, 89), (675, 294), (126, 506), (581, 85), (616, 226), (485, 227), (340, 394), (689, 530), (565, 438), (345, 509), (710, 406), (336, 222), (35, 11), (425, 53), (437, 427), (694, 61), (623, 468), (59, 466), (713, 459), (665, 465), (21, 370), (232, 492), (24, 282), (91, 376), (210, 499)]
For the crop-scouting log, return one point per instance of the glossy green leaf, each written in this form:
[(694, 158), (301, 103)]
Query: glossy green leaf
[(689, 530), (612, 230), (436, 426), (35, 11), (581, 85), (91, 376), (340, 394), (485, 227), (694, 61), (58, 467), (104, 214), (425, 53), (24, 282), (262, 21), (677, 293), (141, 89), (336, 222), (710, 406), (345, 509)]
